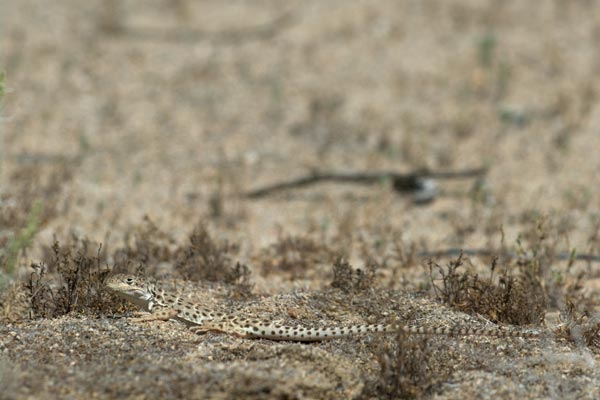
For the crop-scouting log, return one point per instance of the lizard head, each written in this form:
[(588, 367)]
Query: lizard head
[(132, 288)]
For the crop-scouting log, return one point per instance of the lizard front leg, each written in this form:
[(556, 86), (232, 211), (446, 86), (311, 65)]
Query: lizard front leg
[(158, 314)]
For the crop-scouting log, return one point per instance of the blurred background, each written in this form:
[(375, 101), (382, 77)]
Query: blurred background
[(172, 109), (132, 132)]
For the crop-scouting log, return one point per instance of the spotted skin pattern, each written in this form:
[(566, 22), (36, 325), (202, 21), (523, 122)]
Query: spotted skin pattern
[(162, 305)]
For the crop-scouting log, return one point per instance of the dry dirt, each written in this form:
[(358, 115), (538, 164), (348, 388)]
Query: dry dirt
[(125, 114)]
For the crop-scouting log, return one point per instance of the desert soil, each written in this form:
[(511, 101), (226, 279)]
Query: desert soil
[(137, 112)]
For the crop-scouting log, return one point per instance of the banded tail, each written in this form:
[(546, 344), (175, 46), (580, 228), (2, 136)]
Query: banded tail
[(302, 334)]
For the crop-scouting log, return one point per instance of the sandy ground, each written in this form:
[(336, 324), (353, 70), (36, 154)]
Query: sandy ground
[(173, 109)]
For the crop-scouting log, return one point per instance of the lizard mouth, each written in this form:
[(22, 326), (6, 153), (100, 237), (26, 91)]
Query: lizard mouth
[(140, 298)]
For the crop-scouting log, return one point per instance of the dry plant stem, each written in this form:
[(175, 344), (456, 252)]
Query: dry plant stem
[(409, 182)]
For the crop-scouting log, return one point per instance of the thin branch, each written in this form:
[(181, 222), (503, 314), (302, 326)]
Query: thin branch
[(409, 182)]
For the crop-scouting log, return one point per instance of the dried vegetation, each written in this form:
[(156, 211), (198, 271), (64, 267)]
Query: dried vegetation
[(408, 369), (518, 288), (512, 297), (294, 255), (263, 99)]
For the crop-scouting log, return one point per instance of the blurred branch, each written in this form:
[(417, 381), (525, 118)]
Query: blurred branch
[(413, 182)]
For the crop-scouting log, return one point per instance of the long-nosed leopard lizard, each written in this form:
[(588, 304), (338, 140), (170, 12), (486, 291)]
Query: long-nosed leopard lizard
[(163, 305)]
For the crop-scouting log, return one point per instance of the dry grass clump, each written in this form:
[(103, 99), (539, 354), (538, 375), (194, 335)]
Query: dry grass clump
[(294, 255), (352, 280), (205, 259), (70, 279), (407, 369), (386, 250), (517, 299), (28, 204), (579, 326)]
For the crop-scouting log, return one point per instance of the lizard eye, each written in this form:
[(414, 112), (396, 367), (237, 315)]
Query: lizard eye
[(129, 281)]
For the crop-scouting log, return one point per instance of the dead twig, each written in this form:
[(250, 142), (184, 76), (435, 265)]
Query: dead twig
[(412, 182)]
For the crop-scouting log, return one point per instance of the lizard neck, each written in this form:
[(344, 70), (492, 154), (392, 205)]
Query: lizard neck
[(146, 300), (142, 299)]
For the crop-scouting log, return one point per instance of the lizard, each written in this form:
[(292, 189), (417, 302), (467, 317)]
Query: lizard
[(160, 304)]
